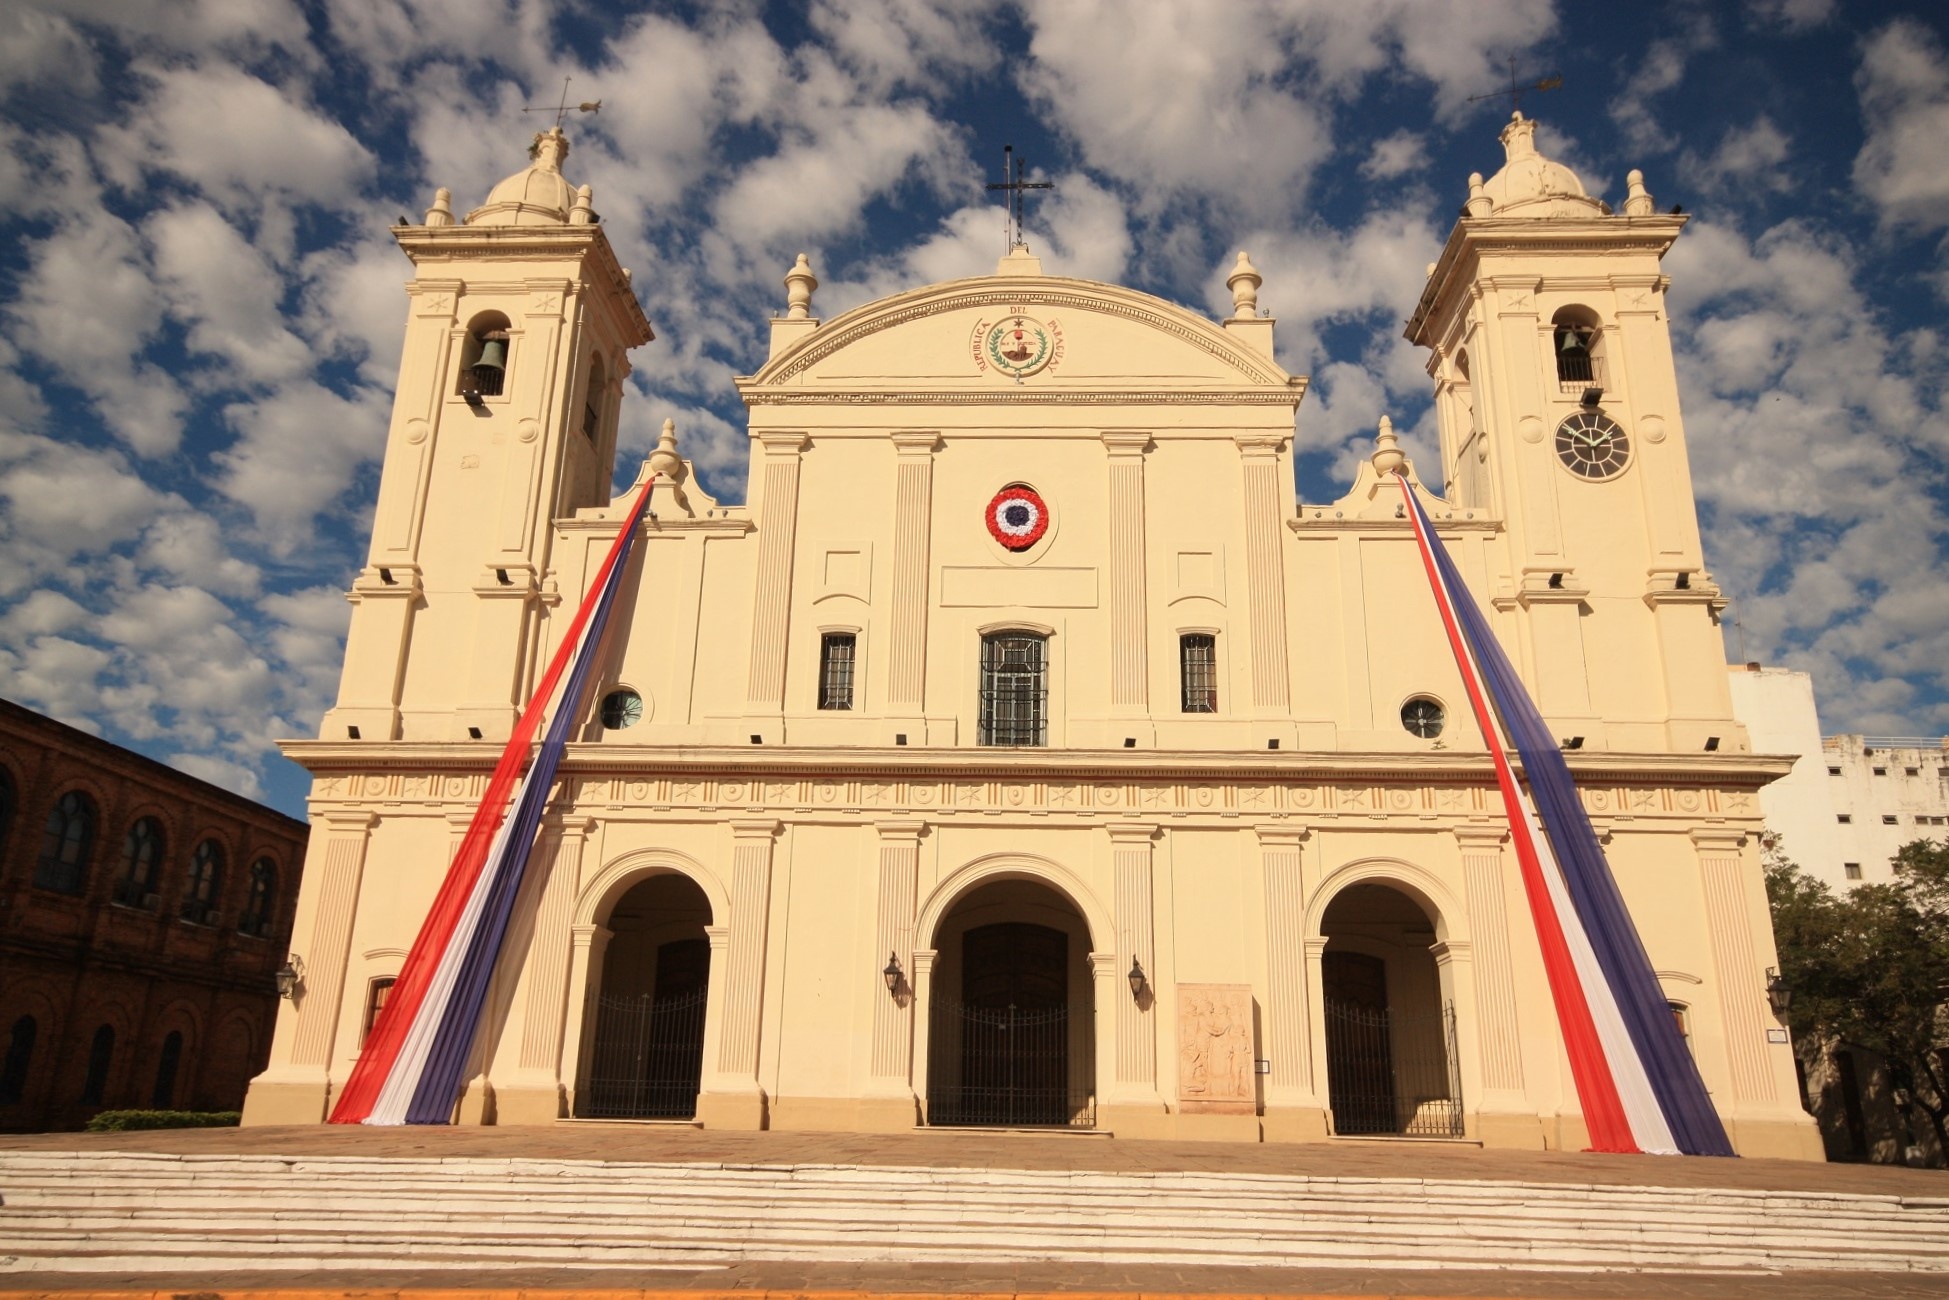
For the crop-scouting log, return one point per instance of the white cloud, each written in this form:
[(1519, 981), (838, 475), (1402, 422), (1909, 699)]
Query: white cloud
[(297, 451), (1904, 86), (45, 611), (227, 292), (1238, 113), (245, 143), (1661, 68), (1794, 15), (87, 307), (42, 51), (66, 503), (890, 44), (1749, 158), (1404, 153)]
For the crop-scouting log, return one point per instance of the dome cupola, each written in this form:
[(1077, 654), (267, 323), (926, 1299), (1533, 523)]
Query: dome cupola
[(537, 195), (1531, 185)]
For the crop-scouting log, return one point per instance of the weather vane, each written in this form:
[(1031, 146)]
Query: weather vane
[(561, 110), (1516, 92), (1015, 187)]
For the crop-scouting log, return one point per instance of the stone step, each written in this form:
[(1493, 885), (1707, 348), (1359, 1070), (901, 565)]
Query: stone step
[(101, 1212)]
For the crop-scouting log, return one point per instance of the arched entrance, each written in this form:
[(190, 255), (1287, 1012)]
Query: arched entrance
[(647, 1055), (1390, 1033), (1011, 1032)]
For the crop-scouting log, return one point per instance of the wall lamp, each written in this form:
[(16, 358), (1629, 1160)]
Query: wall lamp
[(1779, 993), (1136, 978), (892, 974), (290, 977)]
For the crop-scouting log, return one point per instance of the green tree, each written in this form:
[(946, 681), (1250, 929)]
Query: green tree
[(1871, 968)]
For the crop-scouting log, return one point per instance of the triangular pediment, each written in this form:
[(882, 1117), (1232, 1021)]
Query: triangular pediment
[(1010, 336)]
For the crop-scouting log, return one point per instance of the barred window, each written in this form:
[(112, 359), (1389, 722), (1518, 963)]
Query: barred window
[(1014, 689), (205, 880), (263, 899), (1198, 668), (141, 858), (376, 994), (836, 655), (67, 842)]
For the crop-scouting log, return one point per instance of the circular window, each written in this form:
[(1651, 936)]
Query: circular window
[(1423, 717), (621, 708)]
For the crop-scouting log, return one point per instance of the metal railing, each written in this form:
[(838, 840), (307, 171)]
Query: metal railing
[(1392, 1073), (1006, 1066), (648, 1058)]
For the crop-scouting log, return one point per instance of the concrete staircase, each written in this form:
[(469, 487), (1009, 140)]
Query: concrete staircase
[(119, 1212)]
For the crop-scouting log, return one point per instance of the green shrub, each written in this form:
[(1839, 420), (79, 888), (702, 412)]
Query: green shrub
[(121, 1121)]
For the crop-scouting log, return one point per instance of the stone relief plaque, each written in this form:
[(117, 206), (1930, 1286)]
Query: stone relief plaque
[(1215, 1058)]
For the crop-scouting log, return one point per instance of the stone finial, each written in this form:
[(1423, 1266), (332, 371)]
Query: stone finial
[(665, 460), (441, 213), (1479, 204), (1637, 200), (799, 284), (1388, 456), (1244, 282), (1519, 137), (584, 212), (549, 149)]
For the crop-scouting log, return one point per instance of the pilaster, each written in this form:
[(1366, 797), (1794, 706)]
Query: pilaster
[(732, 1097), (893, 1012), (536, 1094), (1497, 1033), (913, 525), (1129, 618), (1264, 495), (772, 584), (1294, 1109), (384, 599), (1735, 968), (297, 1088), (1136, 1038)]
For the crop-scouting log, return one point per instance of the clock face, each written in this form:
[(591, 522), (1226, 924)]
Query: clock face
[(1592, 446)]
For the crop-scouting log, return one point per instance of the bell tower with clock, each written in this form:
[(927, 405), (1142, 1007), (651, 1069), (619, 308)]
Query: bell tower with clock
[(1557, 404)]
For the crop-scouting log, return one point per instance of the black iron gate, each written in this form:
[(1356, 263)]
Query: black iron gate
[(648, 1057), (1004, 1065), (1392, 1073)]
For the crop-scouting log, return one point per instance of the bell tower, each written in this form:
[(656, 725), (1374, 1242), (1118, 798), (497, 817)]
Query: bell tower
[(1557, 404), (519, 325)]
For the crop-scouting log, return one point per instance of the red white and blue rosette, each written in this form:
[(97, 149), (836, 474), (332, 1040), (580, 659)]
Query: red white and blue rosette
[(1017, 517)]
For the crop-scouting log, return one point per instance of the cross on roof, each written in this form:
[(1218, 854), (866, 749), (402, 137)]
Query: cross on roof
[(561, 110), (1516, 92), (1015, 187)]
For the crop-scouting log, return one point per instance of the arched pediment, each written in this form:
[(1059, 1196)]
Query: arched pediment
[(1097, 337)]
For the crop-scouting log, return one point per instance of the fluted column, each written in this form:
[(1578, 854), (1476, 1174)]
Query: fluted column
[(1264, 570), (1129, 619), (1735, 970), (913, 515), (893, 1014), (1281, 856), (535, 1093), (733, 1097), (1496, 1030), (587, 945), (772, 590), (341, 867), (1130, 847)]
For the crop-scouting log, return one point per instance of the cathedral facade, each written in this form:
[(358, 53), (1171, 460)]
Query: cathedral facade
[(1023, 752)]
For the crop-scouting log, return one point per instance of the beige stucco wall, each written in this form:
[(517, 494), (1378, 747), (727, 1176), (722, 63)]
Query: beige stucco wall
[(1203, 848)]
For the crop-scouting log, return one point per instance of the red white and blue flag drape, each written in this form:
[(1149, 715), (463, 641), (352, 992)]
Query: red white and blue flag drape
[(411, 1069), (1638, 1084)]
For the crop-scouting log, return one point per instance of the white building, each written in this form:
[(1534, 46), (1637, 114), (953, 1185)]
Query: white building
[(1851, 802)]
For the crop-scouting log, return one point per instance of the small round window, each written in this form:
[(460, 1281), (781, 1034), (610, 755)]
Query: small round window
[(1423, 717), (621, 709)]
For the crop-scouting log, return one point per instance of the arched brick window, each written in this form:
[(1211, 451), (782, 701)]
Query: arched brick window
[(141, 864), (9, 804), (101, 1053), (67, 844), (205, 880), (261, 909), (20, 1055), (163, 1097)]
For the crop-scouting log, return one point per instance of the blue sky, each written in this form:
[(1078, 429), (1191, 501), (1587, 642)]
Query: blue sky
[(200, 309)]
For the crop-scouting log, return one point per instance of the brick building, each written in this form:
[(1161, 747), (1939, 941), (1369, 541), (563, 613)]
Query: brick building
[(143, 917)]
